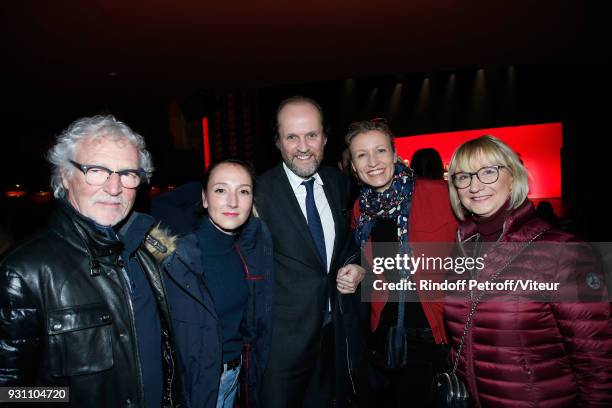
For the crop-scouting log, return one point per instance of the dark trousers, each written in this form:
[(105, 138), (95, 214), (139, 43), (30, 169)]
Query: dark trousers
[(310, 387)]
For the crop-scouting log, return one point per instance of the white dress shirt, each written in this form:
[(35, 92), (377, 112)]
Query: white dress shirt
[(325, 213)]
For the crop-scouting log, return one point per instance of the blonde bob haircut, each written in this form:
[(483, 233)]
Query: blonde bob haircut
[(494, 151)]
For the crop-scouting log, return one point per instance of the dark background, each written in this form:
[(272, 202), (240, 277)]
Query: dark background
[(161, 66)]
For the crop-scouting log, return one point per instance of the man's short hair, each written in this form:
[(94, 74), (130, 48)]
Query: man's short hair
[(93, 127), (296, 100)]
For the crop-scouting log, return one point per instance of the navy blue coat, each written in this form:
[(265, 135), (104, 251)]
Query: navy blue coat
[(196, 327)]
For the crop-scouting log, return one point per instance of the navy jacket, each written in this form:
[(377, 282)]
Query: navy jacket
[(194, 319)]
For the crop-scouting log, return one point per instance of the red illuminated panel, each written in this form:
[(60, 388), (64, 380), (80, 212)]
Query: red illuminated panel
[(539, 146), (206, 143)]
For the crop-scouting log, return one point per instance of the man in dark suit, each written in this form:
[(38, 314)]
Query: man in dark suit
[(316, 330)]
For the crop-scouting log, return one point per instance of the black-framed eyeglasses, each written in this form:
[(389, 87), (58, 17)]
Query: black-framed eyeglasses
[(98, 175), (486, 175)]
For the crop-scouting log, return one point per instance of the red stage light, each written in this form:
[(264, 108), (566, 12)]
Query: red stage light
[(206, 144), (539, 147), (16, 192), (41, 197)]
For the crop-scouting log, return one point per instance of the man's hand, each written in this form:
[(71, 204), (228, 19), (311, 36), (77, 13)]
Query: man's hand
[(349, 277)]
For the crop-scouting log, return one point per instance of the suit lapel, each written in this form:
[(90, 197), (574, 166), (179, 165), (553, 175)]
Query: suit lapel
[(288, 203)]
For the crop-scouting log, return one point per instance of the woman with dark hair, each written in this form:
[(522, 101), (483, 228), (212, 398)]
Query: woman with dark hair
[(219, 283), (551, 350), (394, 207), (427, 163)]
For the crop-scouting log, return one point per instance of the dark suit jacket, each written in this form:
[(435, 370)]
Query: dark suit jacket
[(302, 283)]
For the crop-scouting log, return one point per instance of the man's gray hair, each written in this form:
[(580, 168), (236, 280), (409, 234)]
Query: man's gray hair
[(91, 128)]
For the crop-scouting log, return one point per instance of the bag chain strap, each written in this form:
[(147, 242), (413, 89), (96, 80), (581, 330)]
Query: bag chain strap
[(476, 301)]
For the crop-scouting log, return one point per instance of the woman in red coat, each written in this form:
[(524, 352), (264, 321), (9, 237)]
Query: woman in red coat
[(553, 350), (396, 209)]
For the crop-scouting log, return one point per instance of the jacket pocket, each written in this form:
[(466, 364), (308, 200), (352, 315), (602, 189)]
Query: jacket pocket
[(80, 340)]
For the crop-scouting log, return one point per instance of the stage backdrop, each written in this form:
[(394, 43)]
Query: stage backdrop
[(538, 146)]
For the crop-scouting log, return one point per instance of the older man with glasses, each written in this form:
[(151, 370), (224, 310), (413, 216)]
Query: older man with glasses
[(82, 302)]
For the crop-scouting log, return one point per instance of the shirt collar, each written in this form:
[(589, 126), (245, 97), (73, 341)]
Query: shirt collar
[(296, 180)]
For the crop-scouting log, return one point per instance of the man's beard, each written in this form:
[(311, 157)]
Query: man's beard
[(303, 172)]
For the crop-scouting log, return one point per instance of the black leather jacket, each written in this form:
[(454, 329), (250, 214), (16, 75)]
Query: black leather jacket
[(66, 317)]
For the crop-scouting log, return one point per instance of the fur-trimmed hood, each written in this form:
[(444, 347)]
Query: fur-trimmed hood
[(160, 242)]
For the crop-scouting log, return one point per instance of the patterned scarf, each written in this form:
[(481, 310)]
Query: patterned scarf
[(392, 204)]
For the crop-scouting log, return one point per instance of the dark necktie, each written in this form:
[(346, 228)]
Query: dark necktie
[(314, 221)]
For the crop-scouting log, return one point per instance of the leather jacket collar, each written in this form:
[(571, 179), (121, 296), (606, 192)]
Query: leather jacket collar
[(82, 233)]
